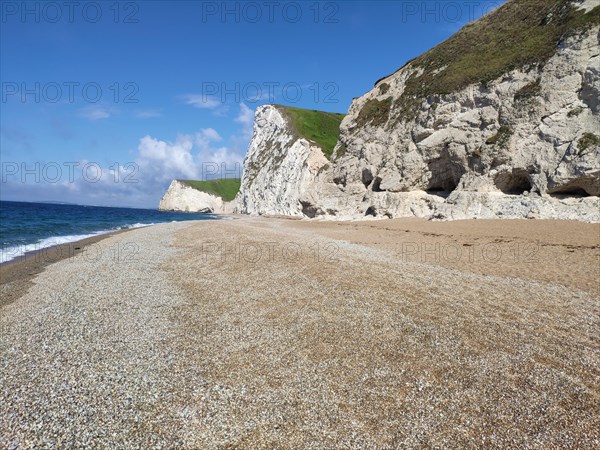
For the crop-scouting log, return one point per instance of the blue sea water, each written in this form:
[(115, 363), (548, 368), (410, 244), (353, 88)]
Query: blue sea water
[(26, 227)]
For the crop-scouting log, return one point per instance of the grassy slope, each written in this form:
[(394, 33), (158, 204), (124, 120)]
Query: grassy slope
[(316, 126), (518, 34), (226, 188)]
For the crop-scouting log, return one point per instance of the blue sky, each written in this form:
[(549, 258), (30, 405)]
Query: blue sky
[(104, 103)]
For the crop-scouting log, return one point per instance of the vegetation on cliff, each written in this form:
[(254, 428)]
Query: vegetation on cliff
[(226, 188), (319, 127), (519, 34)]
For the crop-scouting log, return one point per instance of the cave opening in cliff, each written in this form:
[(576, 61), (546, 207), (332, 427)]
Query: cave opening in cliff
[(442, 187), (309, 210), (515, 182), (371, 212), (376, 186), (438, 191), (445, 176), (569, 191), (367, 177)]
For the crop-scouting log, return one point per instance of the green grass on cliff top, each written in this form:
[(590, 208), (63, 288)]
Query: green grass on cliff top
[(518, 34), (319, 127), (226, 188)]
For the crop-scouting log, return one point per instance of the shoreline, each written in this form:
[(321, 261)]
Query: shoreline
[(17, 274)]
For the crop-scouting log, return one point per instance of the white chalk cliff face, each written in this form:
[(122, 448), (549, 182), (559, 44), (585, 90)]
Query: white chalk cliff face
[(182, 197), (524, 145), (279, 167)]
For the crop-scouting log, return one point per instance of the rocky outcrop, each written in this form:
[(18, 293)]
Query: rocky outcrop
[(279, 167), (185, 198), (453, 135)]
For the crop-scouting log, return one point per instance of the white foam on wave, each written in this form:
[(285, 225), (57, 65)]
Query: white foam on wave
[(135, 225), (10, 253)]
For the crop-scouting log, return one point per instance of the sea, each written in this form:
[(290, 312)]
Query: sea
[(26, 227)]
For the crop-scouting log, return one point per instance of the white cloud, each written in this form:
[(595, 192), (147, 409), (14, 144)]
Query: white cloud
[(94, 112), (246, 118), (205, 137), (142, 180), (228, 161), (246, 115), (165, 160), (201, 101), (189, 157)]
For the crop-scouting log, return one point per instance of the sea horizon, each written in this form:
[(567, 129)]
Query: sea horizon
[(32, 226), (56, 202)]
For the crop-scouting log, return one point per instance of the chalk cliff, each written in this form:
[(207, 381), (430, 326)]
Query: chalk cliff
[(280, 166), (500, 121), (181, 196)]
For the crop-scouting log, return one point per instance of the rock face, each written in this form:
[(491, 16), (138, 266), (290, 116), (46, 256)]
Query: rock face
[(524, 144), (279, 167), (182, 197)]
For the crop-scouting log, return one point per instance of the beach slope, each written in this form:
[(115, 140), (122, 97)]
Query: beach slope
[(285, 334)]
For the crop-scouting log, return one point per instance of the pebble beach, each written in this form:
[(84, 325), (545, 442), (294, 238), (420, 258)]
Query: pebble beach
[(273, 333)]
